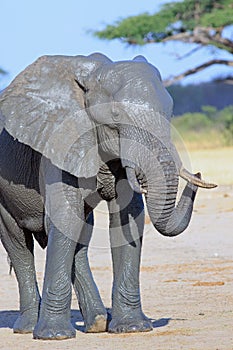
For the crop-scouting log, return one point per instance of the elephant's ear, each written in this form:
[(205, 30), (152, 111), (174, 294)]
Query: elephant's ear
[(44, 108)]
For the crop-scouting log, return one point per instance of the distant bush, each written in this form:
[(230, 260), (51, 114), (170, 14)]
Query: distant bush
[(211, 128), (226, 118), (192, 122)]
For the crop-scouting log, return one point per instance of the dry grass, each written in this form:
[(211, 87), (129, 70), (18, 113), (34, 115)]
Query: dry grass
[(216, 165)]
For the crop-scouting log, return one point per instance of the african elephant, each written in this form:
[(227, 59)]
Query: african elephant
[(76, 130)]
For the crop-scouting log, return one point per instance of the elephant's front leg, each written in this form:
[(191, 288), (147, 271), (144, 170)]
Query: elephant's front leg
[(126, 230)]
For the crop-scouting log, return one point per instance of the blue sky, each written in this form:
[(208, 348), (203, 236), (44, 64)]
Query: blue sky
[(34, 28)]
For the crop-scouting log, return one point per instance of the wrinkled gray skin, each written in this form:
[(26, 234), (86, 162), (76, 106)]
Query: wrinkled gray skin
[(76, 130)]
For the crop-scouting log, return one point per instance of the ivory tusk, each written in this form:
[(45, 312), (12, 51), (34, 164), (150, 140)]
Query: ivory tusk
[(195, 179)]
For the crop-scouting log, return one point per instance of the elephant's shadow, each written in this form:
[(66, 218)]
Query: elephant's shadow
[(8, 318)]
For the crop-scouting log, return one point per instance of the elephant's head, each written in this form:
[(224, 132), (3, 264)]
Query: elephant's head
[(133, 110), (69, 108)]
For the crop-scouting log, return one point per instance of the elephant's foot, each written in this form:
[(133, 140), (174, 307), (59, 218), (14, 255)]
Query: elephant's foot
[(130, 324), (98, 325), (26, 321), (94, 314), (54, 328)]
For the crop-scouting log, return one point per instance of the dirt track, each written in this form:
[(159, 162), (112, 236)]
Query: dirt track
[(186, 286)]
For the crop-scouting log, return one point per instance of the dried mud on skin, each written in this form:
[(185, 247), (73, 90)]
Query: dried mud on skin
[(186, 287)]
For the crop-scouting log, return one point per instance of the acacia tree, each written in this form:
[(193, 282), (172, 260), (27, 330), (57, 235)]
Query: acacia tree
[(191, 21)]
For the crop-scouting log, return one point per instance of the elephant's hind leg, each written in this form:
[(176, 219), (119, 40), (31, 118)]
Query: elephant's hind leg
[(19, 246), (91, 305)]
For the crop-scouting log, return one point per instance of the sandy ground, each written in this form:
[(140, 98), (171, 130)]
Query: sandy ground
[(186, 282)]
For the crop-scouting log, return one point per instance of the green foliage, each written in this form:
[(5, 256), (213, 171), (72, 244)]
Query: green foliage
[(211, 128), (226, 119), (173, 18), (192, 122), (210, 112), (201, 12), (131, 28), (134, 29), (220, 15)]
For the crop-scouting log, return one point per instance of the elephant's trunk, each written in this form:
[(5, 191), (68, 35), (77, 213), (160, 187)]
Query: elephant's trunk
[(167, 217), (162, 167)]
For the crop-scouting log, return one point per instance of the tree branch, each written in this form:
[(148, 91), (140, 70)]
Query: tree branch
[(178, 77), (203, 36), (190, 53)]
